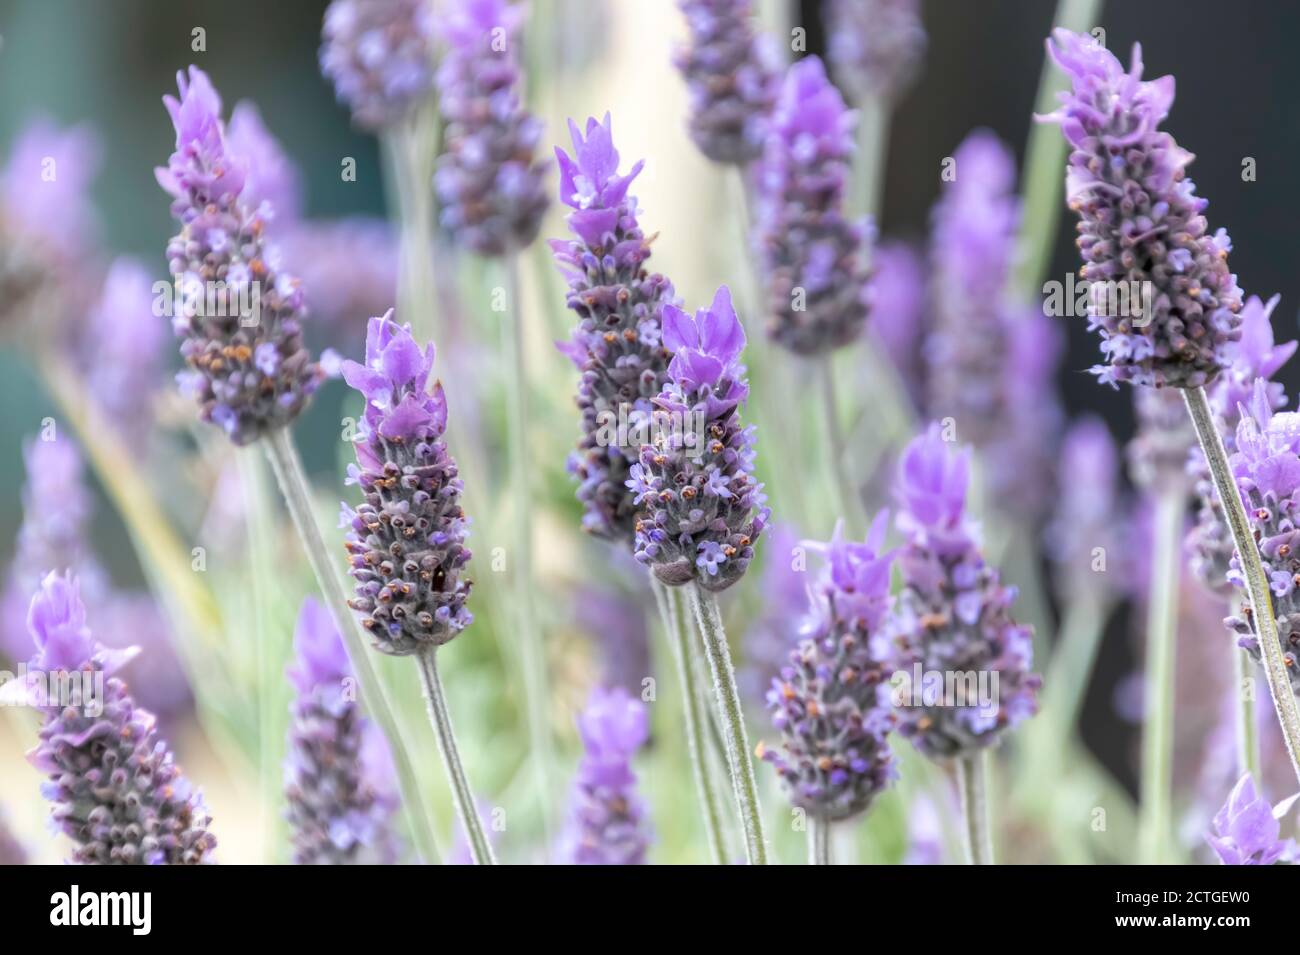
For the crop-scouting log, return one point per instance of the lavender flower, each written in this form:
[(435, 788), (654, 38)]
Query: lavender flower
[(1141, 222), (272, 184), (406, 540), (11, 850), (1254, 355), (702, 511), (1088, 513), (770, 638), (379, 55), (732, 76), (925, 842), (339, 284), (488, 184), (1246, 830), (831, 702), (813, 258), (607, 824), (875, 46), (953, 615), (126, 342), (241, 318), (116, 791), (897, 295), (1157, 455), (339, 780), (617, 345)]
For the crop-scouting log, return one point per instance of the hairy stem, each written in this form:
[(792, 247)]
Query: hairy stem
[(819, 841), (297, 496), (669, 612), (462, 796), (743, 784), (972, 784), (1257, 585)]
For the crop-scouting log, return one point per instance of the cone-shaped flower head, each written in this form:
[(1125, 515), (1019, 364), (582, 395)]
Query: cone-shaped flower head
[(607, 818), (875, 46), (813, 257), (379, 56), (1141, 222), (732, 76), (339, 783), (617, 345), (1082, 541), (239, 316), (1254, 355), (953, 615), (127, 342), (1246, 830), (490, 186), (701, 510), (116, 792), (406, 539), (831, 701)]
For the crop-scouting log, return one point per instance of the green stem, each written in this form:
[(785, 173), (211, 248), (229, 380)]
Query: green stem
[(436, 701), (1257, 584), (1158, 694), (669, 612), (297, 496), (1247, 729), (873, 147), (1071, 667), (714, 637), (819, 841), (972, 783)]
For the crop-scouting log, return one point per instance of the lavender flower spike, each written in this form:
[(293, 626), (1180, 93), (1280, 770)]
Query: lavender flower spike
[(875, 46), (608, 824), (1141, 222), (116, 791), (240, 317), (813, 258), (126, 355), (379, 55), (406, 540), (953, 614), (831, 701), (702, 511), (617, 345), (732, 75), (1246, 829), (488, 183), (339, 781)]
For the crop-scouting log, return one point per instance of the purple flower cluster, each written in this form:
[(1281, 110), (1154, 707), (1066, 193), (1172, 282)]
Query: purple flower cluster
[(339, 781), (1083, 538), (240, 316), (617, 345), (897, 294), (953, 615), (116, 792), (488, 183), (607, 822), (406, 540), (831, 700), (1246, 830), (813, 257), (126, 350), (732, 75), (875, 46), (379, 55), (1141, 222), (701, 510)]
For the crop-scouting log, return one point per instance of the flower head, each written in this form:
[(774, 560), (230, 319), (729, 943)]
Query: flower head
[(126, 349), (1088, 512), (1246, 830), (379, 55), (875, 46)]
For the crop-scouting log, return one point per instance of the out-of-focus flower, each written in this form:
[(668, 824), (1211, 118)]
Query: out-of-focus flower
[(379, 56), (240, 315), (813, 257), (272, 185), (702, 511), (831, 701), (1157, 455), (618, 343), (1141, 223), (115, 789), (607, 819), (953, 614), (338, 284), (732, 74), (489, 185), (339, 782), (897, 296), (875, 46), (406, 540), (125, 357), (1083, 541), (1246, 830), (616, 622), (770, 638)]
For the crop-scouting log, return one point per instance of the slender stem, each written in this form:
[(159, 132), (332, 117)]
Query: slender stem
[(669, 612), (873, 147), (850, 503), (1071, 668), (297, 495), (972, 783), (819, 841), (409, 150), (462, 796), (531, 651), (1158, 711), (709, 621), (1257, 584), (1247, 728)]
